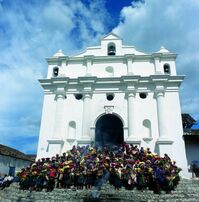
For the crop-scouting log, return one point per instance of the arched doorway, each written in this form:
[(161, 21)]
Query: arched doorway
[(109, 130)]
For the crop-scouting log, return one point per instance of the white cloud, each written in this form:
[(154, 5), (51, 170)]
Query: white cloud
[(29, 32), (175, 25)]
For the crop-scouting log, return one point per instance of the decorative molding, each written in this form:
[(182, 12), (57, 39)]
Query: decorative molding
[(147, 57), (118, 84), (60, 93), (108, 109)]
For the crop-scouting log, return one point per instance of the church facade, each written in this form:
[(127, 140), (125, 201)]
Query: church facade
[(110, 94)]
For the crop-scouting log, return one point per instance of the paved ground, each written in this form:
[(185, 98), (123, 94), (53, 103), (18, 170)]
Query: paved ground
[(187, 191)]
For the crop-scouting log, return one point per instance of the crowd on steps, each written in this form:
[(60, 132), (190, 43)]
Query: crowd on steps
[(90, 166)]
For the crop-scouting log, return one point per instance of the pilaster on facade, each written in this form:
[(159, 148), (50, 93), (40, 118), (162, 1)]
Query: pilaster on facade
[(87, 97), (60, 96), (164, 142), (88, 62), (132, 136), (161, 107), (156, 58), (129, 62)]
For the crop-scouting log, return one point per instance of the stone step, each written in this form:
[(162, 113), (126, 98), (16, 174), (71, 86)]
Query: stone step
[(187, 190)]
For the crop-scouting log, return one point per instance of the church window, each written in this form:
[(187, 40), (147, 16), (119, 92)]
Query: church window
[(78, 96), (167, 69), (147, 128), (143, 95), (111, 49), (55, 71), (110, 97)]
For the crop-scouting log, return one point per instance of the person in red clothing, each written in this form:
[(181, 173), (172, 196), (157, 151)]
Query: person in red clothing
[(50, 177)]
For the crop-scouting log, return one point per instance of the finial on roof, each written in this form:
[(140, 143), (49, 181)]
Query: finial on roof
[(163, 50), (58, 53)]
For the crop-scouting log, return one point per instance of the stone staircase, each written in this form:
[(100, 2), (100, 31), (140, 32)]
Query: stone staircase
[(187, 191)]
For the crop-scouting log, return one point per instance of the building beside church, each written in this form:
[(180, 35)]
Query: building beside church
[(12, 160), (110, 94), (191, 139)]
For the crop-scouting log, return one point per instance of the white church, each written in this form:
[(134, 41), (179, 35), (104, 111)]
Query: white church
[(110, 94)]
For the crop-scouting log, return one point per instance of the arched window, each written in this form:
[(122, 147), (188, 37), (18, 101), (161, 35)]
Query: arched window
[(111, 49), (167, 69), (55, 71), (110, 71), (147, 128), (71, 130)]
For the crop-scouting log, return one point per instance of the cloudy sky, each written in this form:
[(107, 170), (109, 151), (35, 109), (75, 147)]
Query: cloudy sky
[(32, 30)]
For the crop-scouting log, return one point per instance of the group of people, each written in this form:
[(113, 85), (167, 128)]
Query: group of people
[(90, 166)]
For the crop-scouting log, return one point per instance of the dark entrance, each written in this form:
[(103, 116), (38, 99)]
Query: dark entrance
[(109, 130)]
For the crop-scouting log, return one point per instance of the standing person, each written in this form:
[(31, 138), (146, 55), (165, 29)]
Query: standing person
[(140, 177), (60, 178), (81, 180), (50, 177), (89, 179), (159, 179), (117, 178), (39, 182)]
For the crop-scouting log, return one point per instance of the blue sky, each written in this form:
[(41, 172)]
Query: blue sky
[(32, 30)]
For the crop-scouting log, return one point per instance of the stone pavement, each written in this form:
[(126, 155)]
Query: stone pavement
[(187, 191)]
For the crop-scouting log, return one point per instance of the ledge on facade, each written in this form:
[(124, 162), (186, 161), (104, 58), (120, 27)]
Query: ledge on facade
[(164, 141), (133, 141), (84, 141), (55, 141)]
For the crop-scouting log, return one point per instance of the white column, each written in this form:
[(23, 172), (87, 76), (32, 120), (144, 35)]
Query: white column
[(161, 114), (131, 115), (86, 115), (60, 97)]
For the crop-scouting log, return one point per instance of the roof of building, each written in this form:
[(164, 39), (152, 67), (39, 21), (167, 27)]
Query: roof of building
[(195, 126), (8, 151), (187, 120)]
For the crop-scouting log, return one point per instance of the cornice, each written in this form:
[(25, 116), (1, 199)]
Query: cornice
[(115, 84), (169, 56)]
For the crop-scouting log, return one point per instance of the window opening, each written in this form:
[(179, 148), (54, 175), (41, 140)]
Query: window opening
[(111, 49), (55, 71), (167, 69)]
